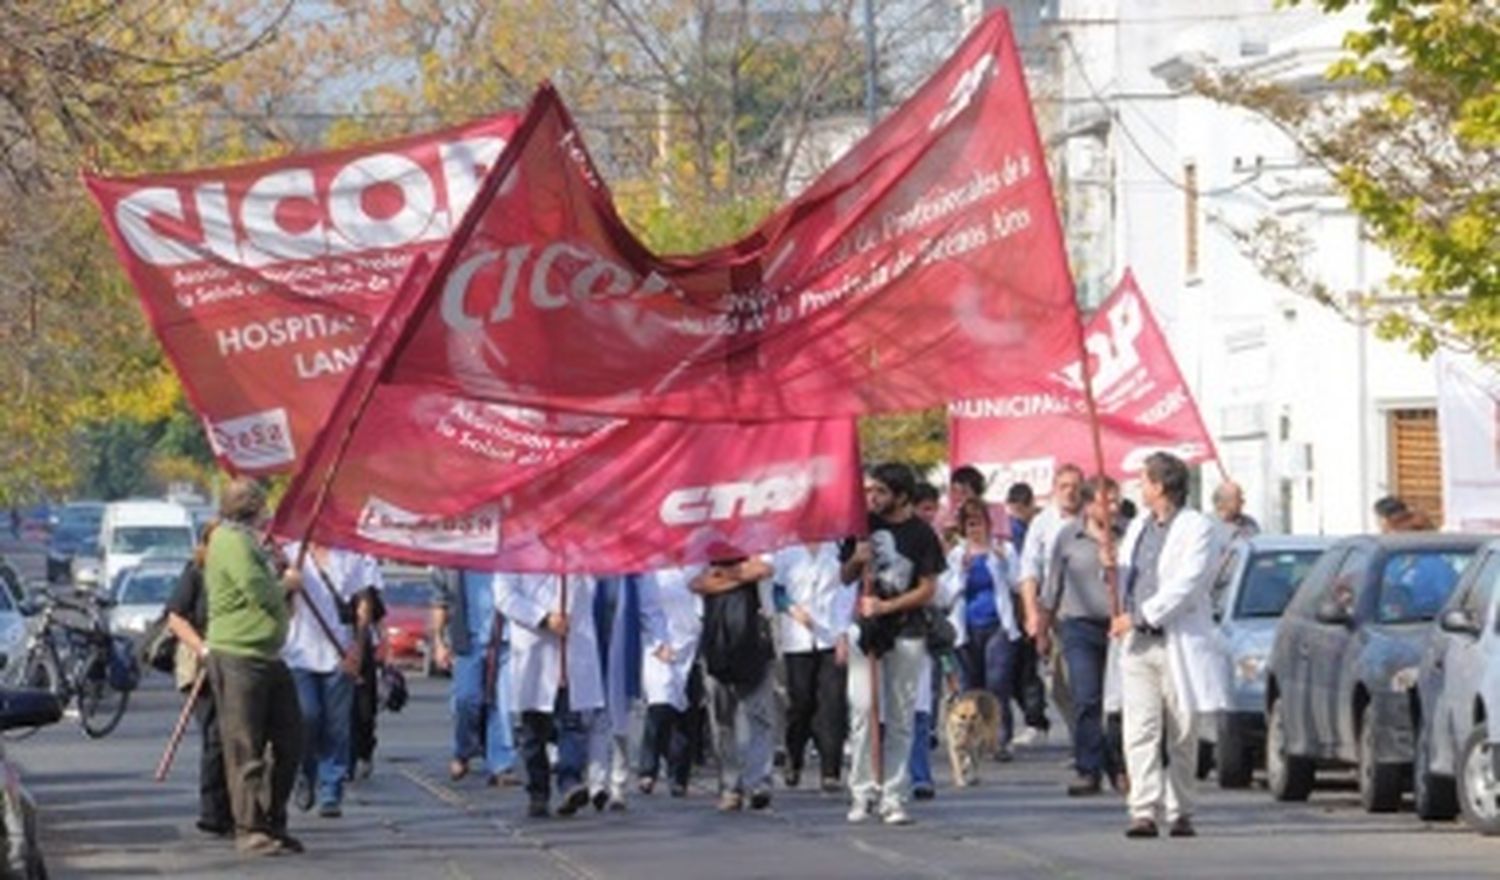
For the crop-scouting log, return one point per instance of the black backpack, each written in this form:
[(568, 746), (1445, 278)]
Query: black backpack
[(736, 645)]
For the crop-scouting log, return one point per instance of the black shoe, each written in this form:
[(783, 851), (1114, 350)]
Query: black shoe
[(1182, 826), (831, 785), (760, 799), (646, 784), (217, 829), (923, 791), (330, 810), (601, 800), (678, 790), (289, 843), (1084, 786), (576, 799), (1141, 829), (792, 777), (537, 810)]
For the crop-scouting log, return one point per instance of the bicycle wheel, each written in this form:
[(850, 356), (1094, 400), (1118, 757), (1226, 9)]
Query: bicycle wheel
[(100, 704)]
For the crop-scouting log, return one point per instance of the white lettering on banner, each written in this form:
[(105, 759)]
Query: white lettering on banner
[(562, 273), (1001, 475), (472, 533), (327, 362), (777, 492), (964, 91), (1190, 451), (354, 229), (254, 441), (1169, 405), (1115, 350), (278, 332), (1020, 406)]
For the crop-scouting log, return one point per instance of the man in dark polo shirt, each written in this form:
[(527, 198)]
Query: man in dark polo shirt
[(1075, 600)]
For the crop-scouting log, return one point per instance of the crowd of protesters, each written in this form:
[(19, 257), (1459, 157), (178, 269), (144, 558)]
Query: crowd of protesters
[(840, 658)]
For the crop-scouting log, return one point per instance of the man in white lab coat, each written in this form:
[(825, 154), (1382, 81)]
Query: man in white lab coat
[(670, 677), (556, 675), (815, 608), (1172, 666)]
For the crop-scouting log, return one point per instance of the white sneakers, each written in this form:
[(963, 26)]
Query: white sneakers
[(893, 815), (860, 812), (896, 815)]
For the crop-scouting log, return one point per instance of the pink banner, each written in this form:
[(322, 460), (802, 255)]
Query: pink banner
[(924, 266), (1036, 425), (262, 281)]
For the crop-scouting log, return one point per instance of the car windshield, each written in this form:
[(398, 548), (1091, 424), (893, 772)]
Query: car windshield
[(1270, 580), (147, 588), (139, 539), (1414, 585), (414, 594), (80, 520)]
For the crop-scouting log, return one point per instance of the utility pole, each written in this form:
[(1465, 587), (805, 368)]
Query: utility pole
[(871, 63)]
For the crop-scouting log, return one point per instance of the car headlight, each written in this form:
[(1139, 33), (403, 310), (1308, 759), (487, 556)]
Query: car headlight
[(1405, 679), (1251, 667)]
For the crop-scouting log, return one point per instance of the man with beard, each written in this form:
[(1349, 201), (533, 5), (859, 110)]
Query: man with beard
[(898, 566)]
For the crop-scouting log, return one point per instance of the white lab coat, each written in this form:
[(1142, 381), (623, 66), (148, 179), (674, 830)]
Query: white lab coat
[(535, 655), (1197, 656), (673, 616), (307, 646), (812, 580), (1001, 562)]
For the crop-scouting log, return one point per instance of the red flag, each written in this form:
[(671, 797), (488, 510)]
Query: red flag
[(926, 265), (262, 281), (1025, 432)]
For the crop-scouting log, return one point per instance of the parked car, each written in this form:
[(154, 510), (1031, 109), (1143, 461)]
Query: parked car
[(77, 527), (1255, 581), (21, 855), (12, 628), (409, 595), (1345, 661), (131, 529), (1455, 767), (142, 595), (10, 580)]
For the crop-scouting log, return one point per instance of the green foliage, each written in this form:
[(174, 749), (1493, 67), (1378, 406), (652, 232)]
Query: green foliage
[(1418, 163)]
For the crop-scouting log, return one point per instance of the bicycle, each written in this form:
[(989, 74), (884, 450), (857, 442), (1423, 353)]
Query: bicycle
[(79, 662)]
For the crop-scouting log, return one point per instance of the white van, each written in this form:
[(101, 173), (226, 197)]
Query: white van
[(133, 529)]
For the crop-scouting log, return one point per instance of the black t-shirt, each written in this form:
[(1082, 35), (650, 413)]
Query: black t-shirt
[(902, 554)]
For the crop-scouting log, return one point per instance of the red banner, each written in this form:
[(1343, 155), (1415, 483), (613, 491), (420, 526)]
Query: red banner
[(434, 477), (262, 281), (1144, 406), (925, 266)]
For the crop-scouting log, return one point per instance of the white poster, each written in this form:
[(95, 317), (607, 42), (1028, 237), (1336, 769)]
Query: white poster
[(1469, 435)]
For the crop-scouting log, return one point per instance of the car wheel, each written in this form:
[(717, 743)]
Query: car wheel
[(1478, 788), (1379, 784), (1434, 797), (1289, 777), (1233, 754)]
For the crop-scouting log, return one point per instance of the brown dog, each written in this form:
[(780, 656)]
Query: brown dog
[(973, 728)]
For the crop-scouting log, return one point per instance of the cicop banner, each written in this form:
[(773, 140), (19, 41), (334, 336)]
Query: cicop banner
[(1025, 432), (927, 264), (1469, 439), (262, 281)]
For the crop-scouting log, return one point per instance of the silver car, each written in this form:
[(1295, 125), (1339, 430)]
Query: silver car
[(142, 595), (1256, 579), (1455, 767)]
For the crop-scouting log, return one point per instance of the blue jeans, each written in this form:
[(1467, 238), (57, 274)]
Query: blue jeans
[(921, 749), (327, 703), (988, 661), (1085, 647), (481, 722)]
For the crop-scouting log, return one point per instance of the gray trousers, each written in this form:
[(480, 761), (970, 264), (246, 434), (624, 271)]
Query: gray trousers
[(743, 720)]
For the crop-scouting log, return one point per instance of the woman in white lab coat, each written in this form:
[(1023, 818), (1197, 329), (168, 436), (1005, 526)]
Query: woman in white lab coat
[(672, 615), (813, 608), (555, 673)]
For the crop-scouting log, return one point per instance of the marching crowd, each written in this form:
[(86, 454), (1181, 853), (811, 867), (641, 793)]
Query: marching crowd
[(946, 617)]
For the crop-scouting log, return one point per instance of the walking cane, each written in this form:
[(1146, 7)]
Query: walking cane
[(877, 756), (182, 721)]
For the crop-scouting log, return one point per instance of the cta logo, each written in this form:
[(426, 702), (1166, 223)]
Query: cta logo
[(256, 441), (472, 533), (773, 493)]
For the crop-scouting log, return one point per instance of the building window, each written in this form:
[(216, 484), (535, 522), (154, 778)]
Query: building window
[(1190, 219), (1416, 470)]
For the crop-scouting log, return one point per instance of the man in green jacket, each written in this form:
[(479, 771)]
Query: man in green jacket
[(257, 700)]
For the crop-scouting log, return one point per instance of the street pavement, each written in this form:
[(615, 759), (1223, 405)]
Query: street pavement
[(102, 815)]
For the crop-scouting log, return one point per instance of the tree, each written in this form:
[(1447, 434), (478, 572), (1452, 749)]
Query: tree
[(1409, 136)]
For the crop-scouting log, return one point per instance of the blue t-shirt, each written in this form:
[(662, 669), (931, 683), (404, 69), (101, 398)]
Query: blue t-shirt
[(979, 595)]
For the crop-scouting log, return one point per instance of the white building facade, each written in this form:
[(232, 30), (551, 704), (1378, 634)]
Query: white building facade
[(1313, 415)]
